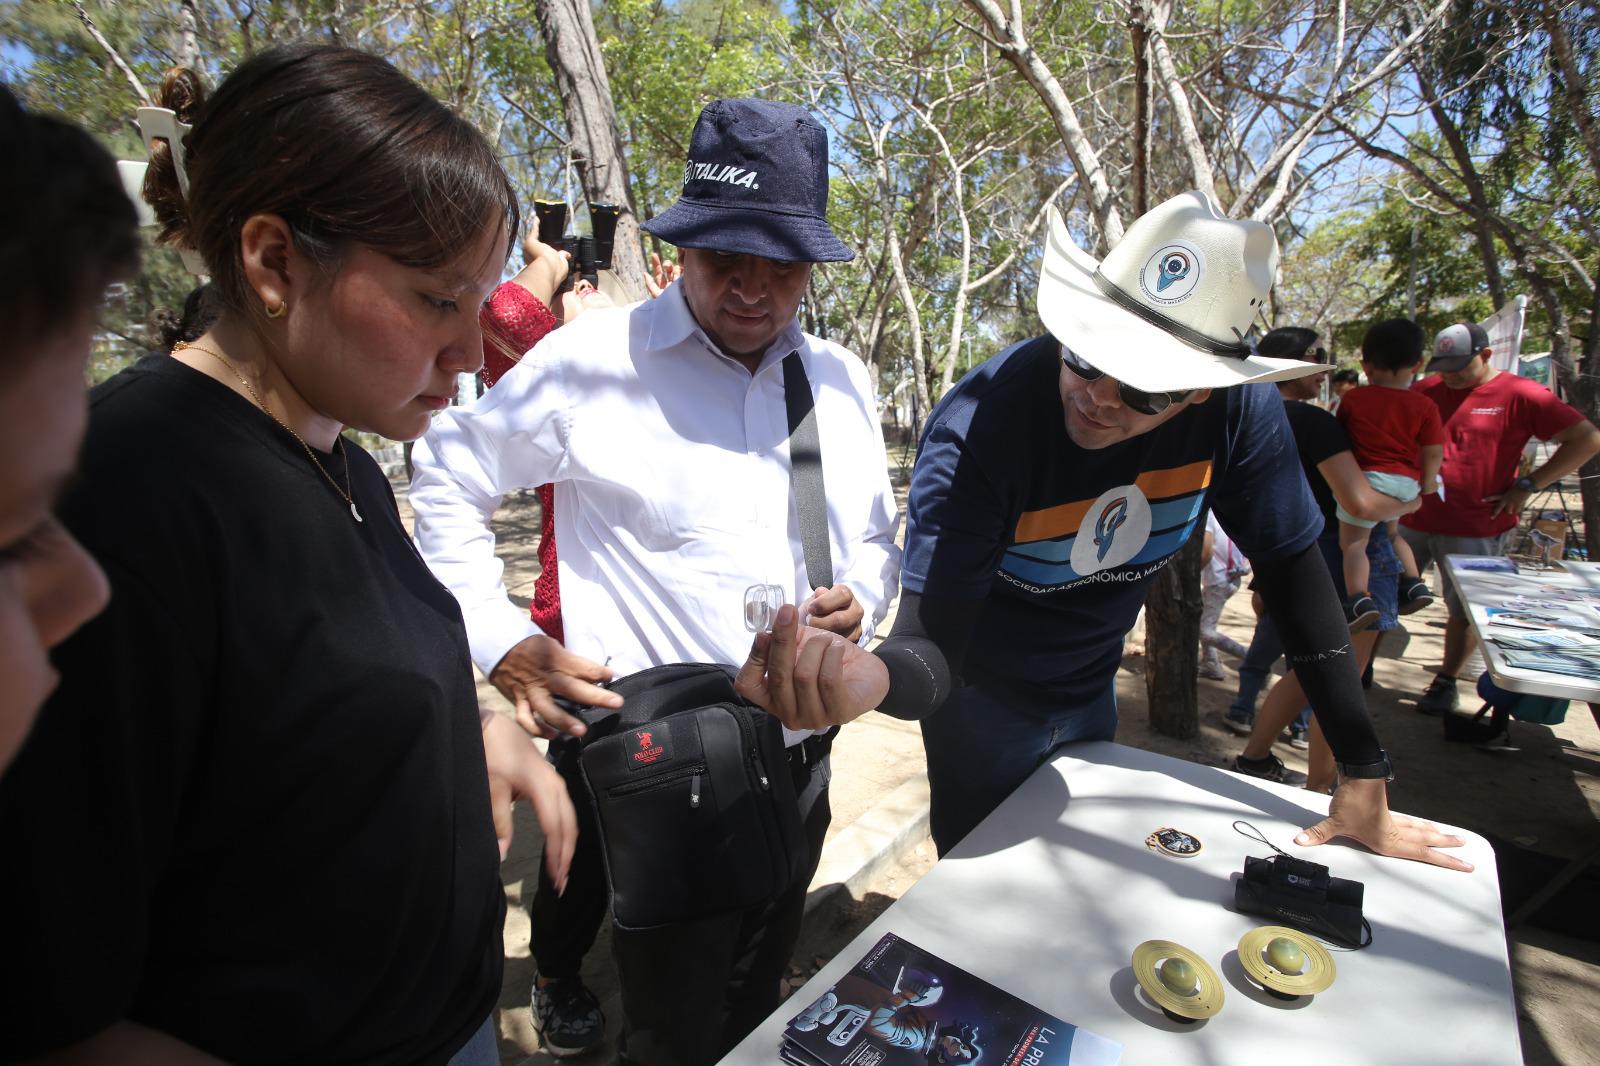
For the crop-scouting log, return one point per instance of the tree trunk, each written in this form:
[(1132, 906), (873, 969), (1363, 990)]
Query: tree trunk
[(573, 51), (1172, 643), (188, 37), (1583, 390), (1141, 110)]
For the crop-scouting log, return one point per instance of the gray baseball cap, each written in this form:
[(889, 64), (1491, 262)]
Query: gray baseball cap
[(1456, 346)]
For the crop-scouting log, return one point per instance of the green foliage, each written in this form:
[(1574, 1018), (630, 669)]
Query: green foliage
[(666, 62), (919, 74)]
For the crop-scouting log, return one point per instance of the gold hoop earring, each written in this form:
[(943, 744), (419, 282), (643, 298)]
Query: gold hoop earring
[(279, 310)]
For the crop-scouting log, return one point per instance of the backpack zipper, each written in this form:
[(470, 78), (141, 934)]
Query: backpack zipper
[(663, 781), (747, 732)]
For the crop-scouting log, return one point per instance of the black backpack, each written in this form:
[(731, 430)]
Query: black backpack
[(693, 797)]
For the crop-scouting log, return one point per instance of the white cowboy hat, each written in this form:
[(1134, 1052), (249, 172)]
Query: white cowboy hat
[(1173, 305)]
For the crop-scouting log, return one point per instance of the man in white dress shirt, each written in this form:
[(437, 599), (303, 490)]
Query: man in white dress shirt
[(664, 429)]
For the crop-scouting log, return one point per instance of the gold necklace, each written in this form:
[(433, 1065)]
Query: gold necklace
[(256, 396)]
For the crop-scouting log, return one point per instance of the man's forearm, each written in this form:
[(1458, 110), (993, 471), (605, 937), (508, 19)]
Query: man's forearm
[(1304, 606), (1567, 458)]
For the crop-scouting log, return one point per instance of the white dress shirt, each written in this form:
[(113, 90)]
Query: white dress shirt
[(673, 491)]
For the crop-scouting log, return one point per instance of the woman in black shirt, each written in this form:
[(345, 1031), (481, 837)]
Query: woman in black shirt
[(258, 811)]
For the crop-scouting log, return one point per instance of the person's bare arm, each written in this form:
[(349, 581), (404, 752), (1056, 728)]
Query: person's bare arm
[(1577, 444), (1350, 488), (518, 771), (129, 1044), (546, 268), (1432, 457)]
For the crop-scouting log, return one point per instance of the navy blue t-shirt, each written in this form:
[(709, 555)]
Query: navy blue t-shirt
[(1060, 542)]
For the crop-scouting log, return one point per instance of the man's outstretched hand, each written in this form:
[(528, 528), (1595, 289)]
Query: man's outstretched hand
[(1360, 812), (808, 678)]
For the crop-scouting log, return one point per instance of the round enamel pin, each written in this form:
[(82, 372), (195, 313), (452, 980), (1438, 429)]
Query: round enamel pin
[(1171, 841)]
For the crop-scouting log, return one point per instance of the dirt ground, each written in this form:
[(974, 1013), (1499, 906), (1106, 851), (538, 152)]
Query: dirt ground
[(1541, 802)]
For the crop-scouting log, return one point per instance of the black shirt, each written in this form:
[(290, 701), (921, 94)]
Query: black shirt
[(1318, 436), (255, 816), (1060, 542)]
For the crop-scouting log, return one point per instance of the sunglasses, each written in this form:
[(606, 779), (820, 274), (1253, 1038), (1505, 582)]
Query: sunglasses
[(1146, 403)]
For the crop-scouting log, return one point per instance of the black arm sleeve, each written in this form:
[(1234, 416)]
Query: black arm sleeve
[(924, 651), (1304, 607)]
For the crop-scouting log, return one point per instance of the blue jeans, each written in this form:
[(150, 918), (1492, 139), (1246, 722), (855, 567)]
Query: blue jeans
[(982, 745), (1266, 648), (482, 1050)]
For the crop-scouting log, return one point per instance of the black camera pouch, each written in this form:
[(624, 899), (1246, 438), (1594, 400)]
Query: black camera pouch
[(1304, 895), (693, 796)]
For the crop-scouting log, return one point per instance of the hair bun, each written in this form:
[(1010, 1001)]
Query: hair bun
[(183, 93)]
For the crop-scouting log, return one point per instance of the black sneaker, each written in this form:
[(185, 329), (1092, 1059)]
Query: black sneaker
[(1414, 595), (1440, 697), (567, 1016), (1269, 769), (1360, 612)]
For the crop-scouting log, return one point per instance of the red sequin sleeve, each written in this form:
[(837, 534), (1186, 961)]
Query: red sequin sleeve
[(513, 321), (518, 320)]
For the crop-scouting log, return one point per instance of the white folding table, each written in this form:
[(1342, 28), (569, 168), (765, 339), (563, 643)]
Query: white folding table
[(1482, 590), (1050, 895)]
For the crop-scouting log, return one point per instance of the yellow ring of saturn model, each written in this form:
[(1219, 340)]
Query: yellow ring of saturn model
[(1317, 974), (1207, 998)]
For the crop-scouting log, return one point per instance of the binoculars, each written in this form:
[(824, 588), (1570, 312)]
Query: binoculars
[(590, 254)]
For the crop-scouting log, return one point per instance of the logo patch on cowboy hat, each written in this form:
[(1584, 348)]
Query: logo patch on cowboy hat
[(1170, 276)]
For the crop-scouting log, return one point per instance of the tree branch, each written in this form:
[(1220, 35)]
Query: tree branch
[(116, 57)]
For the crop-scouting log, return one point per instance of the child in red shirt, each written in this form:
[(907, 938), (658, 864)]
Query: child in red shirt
[(1398, 442)]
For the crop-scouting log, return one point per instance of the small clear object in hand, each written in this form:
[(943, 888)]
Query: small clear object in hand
[(761, 603)]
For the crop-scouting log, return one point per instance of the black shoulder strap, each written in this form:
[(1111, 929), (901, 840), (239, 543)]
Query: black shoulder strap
[(805, 459)]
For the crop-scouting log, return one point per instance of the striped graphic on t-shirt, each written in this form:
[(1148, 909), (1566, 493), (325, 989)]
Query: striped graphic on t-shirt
[(1124, 527)]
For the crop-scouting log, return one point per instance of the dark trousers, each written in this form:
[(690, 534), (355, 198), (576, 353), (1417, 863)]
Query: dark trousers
[(563, 927), (691, 991), (1265, 649), (981, 745)]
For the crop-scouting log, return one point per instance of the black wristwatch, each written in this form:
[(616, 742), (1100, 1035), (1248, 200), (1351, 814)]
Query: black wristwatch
[(1382, 769), (1525, 484)]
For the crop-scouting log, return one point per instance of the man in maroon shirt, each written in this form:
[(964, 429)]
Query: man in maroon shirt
[(1488, 418)]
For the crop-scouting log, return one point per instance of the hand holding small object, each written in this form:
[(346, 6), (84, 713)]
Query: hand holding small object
[(834, 609), (809, 678)]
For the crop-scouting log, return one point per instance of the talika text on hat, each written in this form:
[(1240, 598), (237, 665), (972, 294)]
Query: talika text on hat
[(727, 174)]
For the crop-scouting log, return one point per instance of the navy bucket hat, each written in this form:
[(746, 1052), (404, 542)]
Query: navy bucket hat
[(756, 182)]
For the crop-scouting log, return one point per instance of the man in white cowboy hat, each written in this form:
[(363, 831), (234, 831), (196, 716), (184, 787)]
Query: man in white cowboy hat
[(665, 430), (1058, 478)]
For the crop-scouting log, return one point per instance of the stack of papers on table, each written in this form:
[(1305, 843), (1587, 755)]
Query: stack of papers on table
[(902, 1006)]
